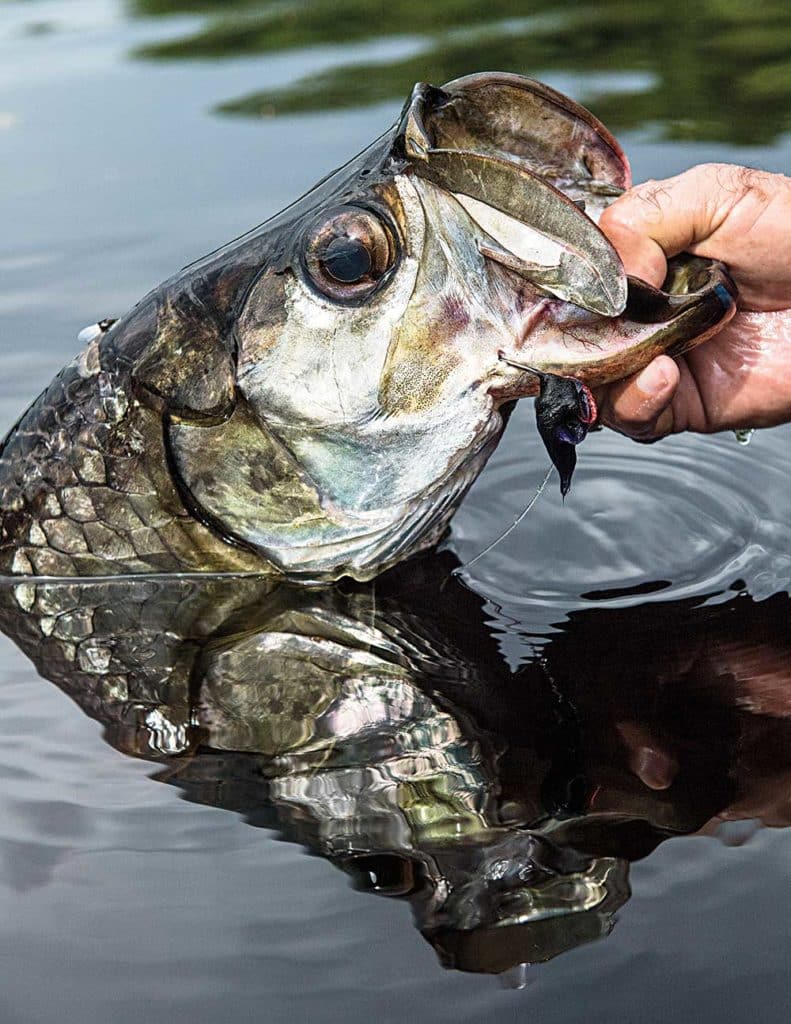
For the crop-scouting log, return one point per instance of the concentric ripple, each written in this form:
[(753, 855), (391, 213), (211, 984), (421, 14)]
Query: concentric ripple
[(690, 516)]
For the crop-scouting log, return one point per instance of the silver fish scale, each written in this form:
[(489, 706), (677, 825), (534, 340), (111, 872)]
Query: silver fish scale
[(84, 489), (97, 650)]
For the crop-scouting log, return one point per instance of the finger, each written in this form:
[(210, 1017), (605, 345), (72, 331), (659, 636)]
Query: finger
[(641, 405), (651, 761), (641, 254), (656, 220), (676, 213), (722, 211)]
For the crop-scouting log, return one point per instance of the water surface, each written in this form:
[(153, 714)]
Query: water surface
[(602, 706)]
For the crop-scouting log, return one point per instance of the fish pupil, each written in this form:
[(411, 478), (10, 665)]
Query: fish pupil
[(347, 259)]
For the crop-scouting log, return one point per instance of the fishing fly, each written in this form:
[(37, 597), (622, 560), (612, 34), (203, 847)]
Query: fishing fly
[(565, 412)]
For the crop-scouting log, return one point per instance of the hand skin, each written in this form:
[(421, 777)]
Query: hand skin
[(742, 376)]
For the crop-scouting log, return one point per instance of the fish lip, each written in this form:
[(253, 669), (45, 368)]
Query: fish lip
[(508, 382)]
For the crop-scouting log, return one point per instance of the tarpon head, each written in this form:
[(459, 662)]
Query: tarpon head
[(330, 384)]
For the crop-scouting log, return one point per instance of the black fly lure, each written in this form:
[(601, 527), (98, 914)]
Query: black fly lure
[(565, 412)]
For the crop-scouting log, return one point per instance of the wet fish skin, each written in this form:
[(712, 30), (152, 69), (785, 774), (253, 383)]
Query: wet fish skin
[(84, 485)]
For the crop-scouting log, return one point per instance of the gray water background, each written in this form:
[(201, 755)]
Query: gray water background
[(128, 147)]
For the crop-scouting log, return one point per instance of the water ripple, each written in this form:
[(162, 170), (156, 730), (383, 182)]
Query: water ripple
[(689, 517)]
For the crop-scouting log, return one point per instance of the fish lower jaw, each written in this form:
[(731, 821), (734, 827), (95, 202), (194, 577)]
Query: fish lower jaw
[(511, 384)]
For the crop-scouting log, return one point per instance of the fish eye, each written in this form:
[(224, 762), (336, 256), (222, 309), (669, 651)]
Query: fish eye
[(348, 252)]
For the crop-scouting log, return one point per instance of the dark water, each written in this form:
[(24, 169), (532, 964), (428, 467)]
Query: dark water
[(583, 759)]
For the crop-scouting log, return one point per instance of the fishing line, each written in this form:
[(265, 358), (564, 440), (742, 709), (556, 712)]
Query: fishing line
[(508, 529)]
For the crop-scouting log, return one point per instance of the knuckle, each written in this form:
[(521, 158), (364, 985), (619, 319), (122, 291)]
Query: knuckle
[(652, 196), (618, 216)]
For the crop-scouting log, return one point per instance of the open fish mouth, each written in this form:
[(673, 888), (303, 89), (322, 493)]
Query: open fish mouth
[(493, 169), (535, 195), (581, 321)]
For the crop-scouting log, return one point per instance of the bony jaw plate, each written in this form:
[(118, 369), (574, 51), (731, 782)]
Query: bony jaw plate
[(583, 267)]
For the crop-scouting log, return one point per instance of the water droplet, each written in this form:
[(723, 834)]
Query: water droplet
[(516, 978), (744, 436)]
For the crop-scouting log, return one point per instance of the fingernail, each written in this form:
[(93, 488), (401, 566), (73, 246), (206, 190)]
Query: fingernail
[(652, 380)]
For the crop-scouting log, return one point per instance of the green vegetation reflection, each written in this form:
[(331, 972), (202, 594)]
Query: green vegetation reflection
[(717, 70)]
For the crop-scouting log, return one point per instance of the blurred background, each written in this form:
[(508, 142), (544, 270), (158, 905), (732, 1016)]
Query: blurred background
[(718, 70)]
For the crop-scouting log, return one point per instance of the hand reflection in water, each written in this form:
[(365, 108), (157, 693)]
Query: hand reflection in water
[(379, 726)]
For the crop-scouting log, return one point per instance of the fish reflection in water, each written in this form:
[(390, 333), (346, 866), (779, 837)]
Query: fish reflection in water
[(379, 726)]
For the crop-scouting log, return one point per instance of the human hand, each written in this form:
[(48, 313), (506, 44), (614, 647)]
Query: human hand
[(742, 376)]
